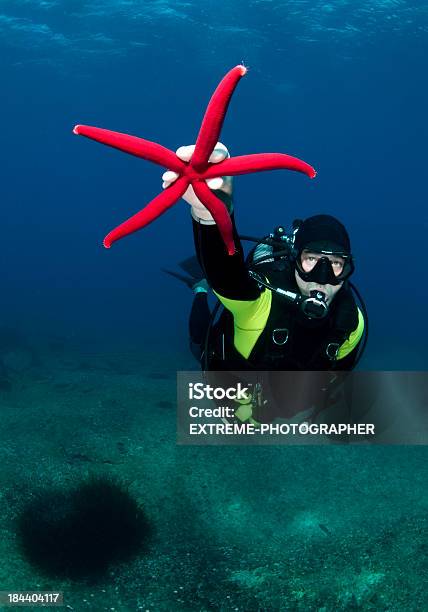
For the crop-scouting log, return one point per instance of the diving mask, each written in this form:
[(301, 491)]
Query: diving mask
[(326, 267)]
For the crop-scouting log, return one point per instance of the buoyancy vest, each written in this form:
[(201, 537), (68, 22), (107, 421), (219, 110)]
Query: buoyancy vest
[(289, 341)]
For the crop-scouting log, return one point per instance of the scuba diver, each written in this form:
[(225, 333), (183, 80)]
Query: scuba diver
[(288, 306)]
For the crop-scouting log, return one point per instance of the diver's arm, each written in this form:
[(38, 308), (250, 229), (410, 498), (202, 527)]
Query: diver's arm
[(236, 290), (226, 274)]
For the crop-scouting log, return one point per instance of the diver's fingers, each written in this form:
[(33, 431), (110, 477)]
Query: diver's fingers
[(185, 152), (168, 178), (215, 183), (219, 153)]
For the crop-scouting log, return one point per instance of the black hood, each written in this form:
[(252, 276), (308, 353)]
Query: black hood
[(322, 233)]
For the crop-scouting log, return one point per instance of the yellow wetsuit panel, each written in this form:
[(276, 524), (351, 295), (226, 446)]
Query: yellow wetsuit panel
[(249, 318), (354, 338)]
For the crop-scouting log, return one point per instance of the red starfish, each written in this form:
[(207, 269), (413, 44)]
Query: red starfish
[(198, 170)]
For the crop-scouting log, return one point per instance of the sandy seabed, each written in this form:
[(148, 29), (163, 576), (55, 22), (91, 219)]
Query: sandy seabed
[(233, 528)]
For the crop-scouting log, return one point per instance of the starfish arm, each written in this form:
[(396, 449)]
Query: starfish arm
[(149, 213), (134, 146), (219, 212), (214, 116), (246, 164)]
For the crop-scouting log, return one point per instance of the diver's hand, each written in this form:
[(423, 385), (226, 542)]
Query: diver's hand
[(224, 183)]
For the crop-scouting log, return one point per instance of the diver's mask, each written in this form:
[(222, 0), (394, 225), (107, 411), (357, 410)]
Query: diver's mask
[(322, 236), (323, 272)]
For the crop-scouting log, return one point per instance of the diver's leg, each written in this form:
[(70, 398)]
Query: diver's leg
[(199, 320)]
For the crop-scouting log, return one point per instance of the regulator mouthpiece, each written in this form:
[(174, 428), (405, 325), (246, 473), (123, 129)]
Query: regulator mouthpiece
[(315, 306)]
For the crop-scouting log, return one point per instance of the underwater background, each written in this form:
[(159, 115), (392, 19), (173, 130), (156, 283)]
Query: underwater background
[(91, 339)]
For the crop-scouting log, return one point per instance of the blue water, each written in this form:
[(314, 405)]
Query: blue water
[(339, 84)]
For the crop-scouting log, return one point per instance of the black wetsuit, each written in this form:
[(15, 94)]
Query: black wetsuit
[(255, 316)]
